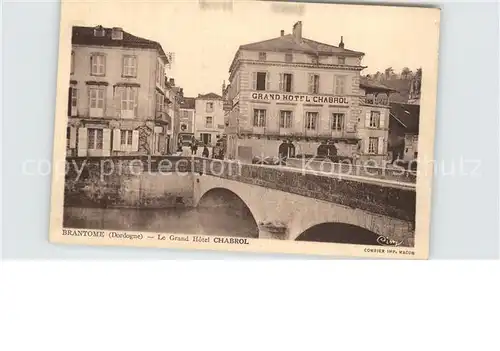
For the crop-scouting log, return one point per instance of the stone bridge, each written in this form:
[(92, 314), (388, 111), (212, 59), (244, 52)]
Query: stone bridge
[(286, 203)]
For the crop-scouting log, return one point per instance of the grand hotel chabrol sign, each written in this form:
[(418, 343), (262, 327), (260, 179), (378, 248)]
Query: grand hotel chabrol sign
[(312, 99)]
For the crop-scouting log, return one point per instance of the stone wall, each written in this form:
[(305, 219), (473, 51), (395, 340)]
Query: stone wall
[(395, 174), (162, 182), (129, 182), (381, 199)]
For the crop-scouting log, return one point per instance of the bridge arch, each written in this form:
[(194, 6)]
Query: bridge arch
[(340, 233), (233, 209)]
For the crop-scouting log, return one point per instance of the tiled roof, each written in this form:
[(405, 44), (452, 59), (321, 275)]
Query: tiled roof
[(209, 96), (188, 103), (374, 85), (408, 115), (288, 43), (85, 36)]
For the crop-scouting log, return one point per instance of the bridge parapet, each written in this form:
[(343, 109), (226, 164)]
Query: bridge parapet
[(376, 197), (143, 182)]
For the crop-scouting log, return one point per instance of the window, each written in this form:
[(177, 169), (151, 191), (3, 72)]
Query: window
[(160, 74), (129, 66), (341, 60), (285, 119), (210, 107), (72, 62), (74, 102), (372, 145), (339, 85), (374, 119), (68, 137), (184, 114), (259, 118), (126, 138), (96, 101), (311, 120), (314, 60), (338, 121), (160, 102), (208, 122), (95, 139), (313, 84), (261, 80), (286, 80), (98, 65), (128, 102), (262, 56), (288, 58)]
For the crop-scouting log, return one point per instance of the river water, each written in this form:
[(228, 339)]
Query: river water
[(201, 220)]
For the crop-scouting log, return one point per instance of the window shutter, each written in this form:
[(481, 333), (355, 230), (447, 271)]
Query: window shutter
[(117, 143), (367, 119), (106, 142), (82, 142), (135, 140), (70, 94), (268, 81), (311, 83), (117, 101), (382, 119), (72, 137), (254, 80), (136, 101), (281, 82), (380, 145), (366, 146)]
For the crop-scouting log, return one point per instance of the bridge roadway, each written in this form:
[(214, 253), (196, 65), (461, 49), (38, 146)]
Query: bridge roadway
[(285, 202)]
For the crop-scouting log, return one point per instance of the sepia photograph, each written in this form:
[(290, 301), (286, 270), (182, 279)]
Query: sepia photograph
[(256, 126)]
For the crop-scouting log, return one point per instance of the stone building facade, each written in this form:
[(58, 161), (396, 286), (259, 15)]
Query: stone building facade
[(117, 96), (209, 118), (291, 87)]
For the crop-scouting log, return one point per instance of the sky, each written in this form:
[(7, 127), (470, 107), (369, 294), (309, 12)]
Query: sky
[(205, 41)]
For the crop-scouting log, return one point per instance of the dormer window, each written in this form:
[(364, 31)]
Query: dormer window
[(262, 56), (117, 33), (288, 58), (314, 60), (341, 60), (99, 31)]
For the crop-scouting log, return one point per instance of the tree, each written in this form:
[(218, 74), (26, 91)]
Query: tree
[(405, 73), (377, 76), (389, 72)]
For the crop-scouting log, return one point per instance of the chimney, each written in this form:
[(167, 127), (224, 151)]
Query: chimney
[(223, 88), (116, 33), (341, 44), (282, 32), (297, 31), (172, 82)]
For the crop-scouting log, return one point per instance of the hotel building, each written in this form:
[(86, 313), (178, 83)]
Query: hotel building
[(291, 87), (117, 99)]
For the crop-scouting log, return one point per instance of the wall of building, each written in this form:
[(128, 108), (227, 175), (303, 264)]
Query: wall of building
[(272, 56), (410, 147), (217, 115), (147, 138), (187, 117), (146, 71)]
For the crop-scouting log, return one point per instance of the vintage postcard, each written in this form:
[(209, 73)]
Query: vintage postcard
[(254, 126)]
